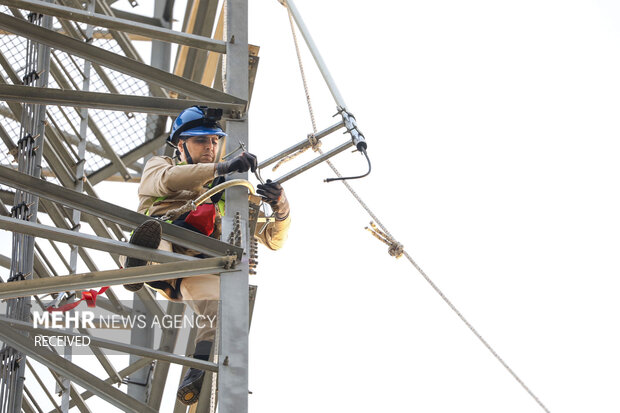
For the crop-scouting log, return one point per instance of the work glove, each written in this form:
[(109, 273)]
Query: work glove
[(240, 163), (273, 194)]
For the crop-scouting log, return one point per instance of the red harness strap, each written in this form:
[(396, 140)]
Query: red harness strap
[(89, 296)]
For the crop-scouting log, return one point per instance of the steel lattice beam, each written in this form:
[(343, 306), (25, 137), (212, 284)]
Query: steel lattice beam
[(114, 345), (106, 101), (115, 61), (234, 316), (89, 241), (73, 372), (120, 24), (113, 212), (96, 279), (129, 158), (133, 367)]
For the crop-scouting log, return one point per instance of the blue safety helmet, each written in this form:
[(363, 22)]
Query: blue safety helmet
[(195, 121)]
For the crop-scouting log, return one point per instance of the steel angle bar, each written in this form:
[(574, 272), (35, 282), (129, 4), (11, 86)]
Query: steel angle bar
[(314, 162), (76, 399), (25, 403), (101, 356), (114, 345), (56, 214), (114, 61), (234, 315), (71, 371), (132, 368), (303, 144), (129, 158), (107, 147), (112, 307), (150, 303), (89, 241), (113, 212), (151, 21), (168, 340), (107, 101), (112, 277), (199, 19), (43, 386), (33, 400), (5, 261), (120, 24)]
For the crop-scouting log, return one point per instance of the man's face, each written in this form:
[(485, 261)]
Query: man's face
[(202, 148)]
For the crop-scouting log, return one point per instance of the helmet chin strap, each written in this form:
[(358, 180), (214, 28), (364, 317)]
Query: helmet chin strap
[(188, 157)]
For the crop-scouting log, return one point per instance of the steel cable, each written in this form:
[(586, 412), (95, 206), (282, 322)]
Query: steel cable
[(387, 232)]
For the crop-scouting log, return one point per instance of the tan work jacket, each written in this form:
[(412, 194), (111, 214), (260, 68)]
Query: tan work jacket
[(181, 183)]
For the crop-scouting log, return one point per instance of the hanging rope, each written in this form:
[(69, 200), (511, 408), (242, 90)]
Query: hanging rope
[(396, 249), (313, 143)]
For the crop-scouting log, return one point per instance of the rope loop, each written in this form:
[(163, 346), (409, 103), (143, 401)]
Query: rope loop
[(315, 144), (396, 249)]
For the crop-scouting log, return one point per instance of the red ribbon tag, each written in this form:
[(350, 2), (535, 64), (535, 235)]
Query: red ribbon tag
[(89, 296)]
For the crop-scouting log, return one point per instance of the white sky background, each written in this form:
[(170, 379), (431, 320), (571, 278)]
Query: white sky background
[(493, 129)]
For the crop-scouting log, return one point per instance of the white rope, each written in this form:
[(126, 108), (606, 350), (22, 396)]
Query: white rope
[(391, 238), (301, 69), (312, 141)]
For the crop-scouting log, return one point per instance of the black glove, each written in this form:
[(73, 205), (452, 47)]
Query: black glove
[(240, 163), (273, 194)]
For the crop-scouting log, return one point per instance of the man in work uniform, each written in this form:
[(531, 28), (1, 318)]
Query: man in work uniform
[(167, 185)]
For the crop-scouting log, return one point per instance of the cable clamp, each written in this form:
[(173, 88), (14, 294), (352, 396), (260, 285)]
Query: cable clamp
[(26, 140), (34, 17), (17, 277), (30, 77), (16, 209)]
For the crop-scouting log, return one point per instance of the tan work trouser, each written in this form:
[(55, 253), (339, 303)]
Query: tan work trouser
[(201, 293)]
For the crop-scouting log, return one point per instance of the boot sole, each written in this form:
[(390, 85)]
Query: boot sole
[(148, 234), (190, 393)]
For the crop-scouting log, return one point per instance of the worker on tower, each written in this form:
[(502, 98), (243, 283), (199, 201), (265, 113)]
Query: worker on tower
[(166, 185)]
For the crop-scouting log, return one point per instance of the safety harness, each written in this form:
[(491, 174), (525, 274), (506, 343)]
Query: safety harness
[(201, 220)]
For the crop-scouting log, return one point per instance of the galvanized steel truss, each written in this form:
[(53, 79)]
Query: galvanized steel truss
[(94, 92), (100, 92)]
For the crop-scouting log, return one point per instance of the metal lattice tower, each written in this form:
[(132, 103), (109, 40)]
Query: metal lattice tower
[(74, 88)]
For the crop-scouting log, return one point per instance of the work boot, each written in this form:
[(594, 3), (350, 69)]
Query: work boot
[(148, 234), (189, 390)]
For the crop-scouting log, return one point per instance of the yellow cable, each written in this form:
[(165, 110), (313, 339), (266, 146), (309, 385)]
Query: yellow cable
[(223, 186)]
